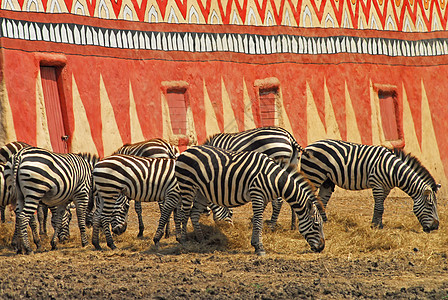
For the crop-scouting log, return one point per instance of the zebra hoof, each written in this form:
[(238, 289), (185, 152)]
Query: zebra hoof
[(259, 250), (377, 225), (140, 235), (112, 246), (97, 246)]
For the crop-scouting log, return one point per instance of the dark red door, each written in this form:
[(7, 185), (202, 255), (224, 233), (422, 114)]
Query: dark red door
[(55, 121), (267, 107)]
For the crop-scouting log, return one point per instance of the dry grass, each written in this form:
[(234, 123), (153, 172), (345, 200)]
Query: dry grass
[(348, 233)]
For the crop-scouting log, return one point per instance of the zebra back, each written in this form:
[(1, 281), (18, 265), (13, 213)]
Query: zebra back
[(275, 142), (10, 149), (154, 148), (139, 178)]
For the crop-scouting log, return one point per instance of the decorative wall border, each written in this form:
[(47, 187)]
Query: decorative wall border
[(399, 15), (254, 44)]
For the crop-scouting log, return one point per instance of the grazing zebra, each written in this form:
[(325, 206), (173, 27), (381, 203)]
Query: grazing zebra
[(38, 175), (232, 179), (275, 142), (138, 178), (153, 148), (6, 152), (355, 167)]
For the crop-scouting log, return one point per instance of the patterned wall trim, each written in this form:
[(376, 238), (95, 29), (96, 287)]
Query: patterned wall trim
[(396, 15), (255, 44)]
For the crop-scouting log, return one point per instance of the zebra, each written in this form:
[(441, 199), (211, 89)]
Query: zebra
[(138, 178), (232, 179), (152, 148), (351, 166), (38, 175), (6, 152), (7, 198), (275, 142)]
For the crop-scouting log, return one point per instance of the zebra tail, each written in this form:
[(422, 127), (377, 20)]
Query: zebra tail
[(300, 149), (15, 160)]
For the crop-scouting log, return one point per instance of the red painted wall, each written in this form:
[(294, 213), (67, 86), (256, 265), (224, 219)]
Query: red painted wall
[(145, 70)]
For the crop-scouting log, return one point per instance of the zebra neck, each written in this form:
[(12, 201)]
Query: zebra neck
[(408, 180)]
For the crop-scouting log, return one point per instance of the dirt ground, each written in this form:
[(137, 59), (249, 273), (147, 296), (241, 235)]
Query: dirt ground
[(397, 262)]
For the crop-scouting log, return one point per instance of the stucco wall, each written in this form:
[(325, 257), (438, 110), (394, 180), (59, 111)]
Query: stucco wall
[(114, 73)]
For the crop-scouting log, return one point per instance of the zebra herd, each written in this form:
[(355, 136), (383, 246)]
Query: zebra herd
[(259, 166)]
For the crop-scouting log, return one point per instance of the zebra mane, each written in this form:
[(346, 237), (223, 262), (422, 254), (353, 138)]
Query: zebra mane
[(210, 138), (309, 187), (90, 158), (415, 164)]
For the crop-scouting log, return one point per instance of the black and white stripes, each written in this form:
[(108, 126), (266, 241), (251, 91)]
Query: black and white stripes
[(255, 44), (232, 179), (352, 166), (37, 175), (138, 178)]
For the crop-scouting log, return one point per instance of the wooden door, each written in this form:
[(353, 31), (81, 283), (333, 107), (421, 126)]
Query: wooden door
[(55, 120), (268, 112)]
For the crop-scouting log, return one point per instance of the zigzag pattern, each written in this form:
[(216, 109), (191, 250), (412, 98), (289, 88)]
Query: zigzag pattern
[(399, 15), (69, 33)]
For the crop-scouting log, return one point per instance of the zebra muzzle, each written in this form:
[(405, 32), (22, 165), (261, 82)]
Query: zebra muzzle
[(120, 229)]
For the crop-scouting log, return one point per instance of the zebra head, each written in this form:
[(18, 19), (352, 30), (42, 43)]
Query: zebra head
[(119, 215), (425, 208), (311, 225)]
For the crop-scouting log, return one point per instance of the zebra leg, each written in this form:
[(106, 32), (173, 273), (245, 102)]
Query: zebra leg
[(64, 231), (96, 227), (23, 221), (379, 195), (177, 220), (138, 210), (195, 214), (81, 209), (171, 204), (42, 216), (16, 238), (187, 195), (105, 222), (2, 212), (104, 218), (276, 207), (257, 225), (36, 237), (56, 218), (167, 225), (325, 192)]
